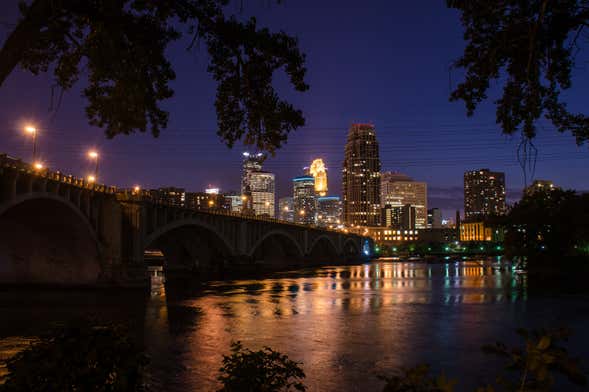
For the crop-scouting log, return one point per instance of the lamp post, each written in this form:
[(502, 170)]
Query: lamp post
[(33, 132), (93, 155)]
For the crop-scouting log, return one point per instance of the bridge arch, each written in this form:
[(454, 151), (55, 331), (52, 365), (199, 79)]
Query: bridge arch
[(351, 247), (323, 246), (47, 239), (190, 244), (277, 247)]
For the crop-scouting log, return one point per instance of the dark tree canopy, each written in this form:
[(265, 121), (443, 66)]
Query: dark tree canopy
[(529, 46), (119, 46)]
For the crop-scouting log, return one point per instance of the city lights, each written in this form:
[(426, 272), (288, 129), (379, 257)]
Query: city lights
[(136, 189)]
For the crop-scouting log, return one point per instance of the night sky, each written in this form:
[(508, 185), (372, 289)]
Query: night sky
[(387, 64)]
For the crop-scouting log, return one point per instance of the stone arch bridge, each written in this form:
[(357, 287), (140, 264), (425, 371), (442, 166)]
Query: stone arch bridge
[(58, 229)]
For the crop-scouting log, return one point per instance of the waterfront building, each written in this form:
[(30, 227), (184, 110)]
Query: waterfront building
[(484, 194), (398, 190), (257, 186), (361, 177), (329, 211), (169, 195), (304, 201), (387, 236), (434, 218), (286, 209), (205, 201), (480, 231), (319, 173)]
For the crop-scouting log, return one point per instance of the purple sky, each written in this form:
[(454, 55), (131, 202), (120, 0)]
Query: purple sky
[(386, 64)]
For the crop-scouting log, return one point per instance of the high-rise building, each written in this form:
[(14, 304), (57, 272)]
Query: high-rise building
[(484, 194), (329, 211), (398, 190), (286, 209), (361, 177), (257, 186), (304, 201), (434, 218), (319, 173)]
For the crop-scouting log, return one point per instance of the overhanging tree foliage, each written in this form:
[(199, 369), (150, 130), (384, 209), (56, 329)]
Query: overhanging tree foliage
[(529, 47), (119, 46)]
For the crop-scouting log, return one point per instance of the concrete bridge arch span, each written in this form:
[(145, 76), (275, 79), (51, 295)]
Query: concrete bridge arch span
[(277, 247), (323, 248), (190, 244), (47, 239)]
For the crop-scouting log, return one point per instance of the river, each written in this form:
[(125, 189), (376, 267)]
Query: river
[(346, 324)]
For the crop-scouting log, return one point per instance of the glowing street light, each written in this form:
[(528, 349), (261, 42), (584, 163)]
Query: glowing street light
[(38, 165), (93, 155), (302, 212), (33, 132), (136, 189), (91, 179)]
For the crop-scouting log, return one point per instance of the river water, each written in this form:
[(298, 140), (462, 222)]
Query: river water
[(346, 324)]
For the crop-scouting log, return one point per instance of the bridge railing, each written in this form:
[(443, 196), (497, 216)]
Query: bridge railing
[(27, 168), (145, 196)]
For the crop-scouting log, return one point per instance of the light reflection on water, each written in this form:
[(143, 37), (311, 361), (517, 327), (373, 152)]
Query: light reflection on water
[(345, 323)]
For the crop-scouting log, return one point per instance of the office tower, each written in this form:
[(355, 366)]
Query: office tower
[(286, 209), (361, 177), (304, 200), (398, 190), (434, 218), (257, 186), (484, 194), (319, 173), (329, 211)]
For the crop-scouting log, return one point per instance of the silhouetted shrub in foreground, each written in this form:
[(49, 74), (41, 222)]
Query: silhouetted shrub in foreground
[(259, 371), (416, 379), (78, 357)]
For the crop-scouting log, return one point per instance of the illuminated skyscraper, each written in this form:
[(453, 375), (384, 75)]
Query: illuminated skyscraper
[(398, 190), (484, 194), (329, 211), (304, 201), (361, 177), (257, 186), (319, 173)]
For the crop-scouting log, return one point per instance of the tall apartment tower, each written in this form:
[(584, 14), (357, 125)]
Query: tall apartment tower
[(484, 194), (304, 200), (257, 186), (361, 177)]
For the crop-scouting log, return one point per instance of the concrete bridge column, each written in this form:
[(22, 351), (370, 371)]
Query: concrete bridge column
[(109, 233), (9, 180), (133, 271)]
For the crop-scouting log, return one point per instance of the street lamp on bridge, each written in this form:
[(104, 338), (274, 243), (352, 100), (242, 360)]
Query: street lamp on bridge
[(93, 155)]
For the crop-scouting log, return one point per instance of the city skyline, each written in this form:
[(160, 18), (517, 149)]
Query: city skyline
[(422, 135)]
